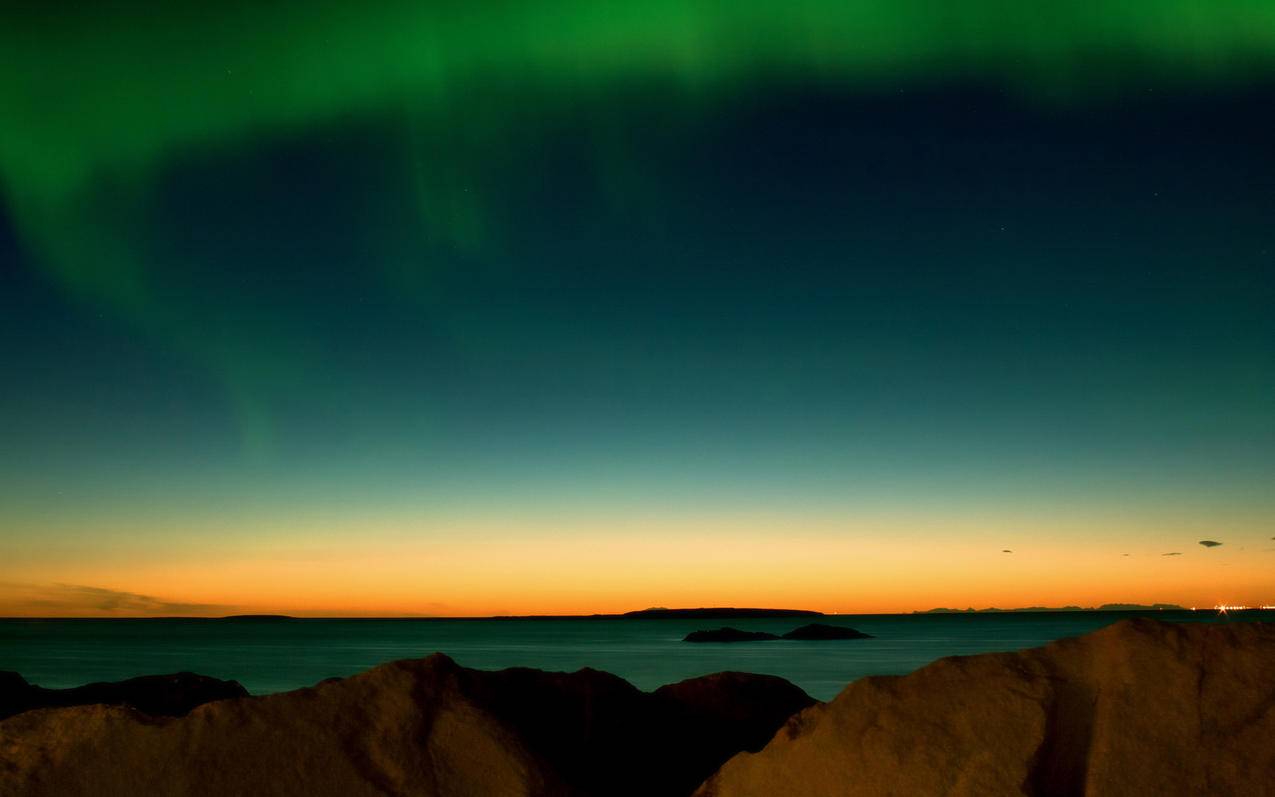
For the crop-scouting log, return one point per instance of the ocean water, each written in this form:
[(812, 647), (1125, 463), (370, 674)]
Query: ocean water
[(272, 656)]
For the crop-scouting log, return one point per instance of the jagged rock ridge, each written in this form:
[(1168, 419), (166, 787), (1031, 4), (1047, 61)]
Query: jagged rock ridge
[(417, 727), (161, 695)]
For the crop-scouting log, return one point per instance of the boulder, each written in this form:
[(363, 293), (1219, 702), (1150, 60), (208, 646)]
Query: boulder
[(1140, 707)]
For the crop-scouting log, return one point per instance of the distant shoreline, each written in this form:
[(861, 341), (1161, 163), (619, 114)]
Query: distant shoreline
[(1106, 607), (675, 614), (701, 613)]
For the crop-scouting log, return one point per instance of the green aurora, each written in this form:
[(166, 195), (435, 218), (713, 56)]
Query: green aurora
[(103, 98)]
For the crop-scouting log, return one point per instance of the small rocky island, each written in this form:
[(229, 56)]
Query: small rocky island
[(819, 632), (729, 635), (815, 632)]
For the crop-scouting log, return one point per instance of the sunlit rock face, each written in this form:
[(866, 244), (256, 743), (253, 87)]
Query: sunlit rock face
[(1141, 707), (417, 727)]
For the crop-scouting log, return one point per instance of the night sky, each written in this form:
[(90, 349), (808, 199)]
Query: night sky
[(565, 306)]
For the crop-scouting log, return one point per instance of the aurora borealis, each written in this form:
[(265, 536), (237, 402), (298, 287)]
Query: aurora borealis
[(565, 306)]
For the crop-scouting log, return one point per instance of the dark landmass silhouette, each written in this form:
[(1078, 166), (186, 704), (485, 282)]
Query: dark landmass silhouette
[(1139, 607), (657, 613), (263, 617), (729, 635), (1139, 707), (721, 613), (160, 695), (1106, 607), (818, 632)]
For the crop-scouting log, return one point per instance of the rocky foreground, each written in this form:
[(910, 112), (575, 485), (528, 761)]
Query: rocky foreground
[(1138, 708), (416, 727)]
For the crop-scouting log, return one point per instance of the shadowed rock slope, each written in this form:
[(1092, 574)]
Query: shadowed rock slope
[(1140, 707), (418, 727), (164, 695)]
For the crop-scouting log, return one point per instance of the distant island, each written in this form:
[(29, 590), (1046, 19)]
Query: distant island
[(729, 635), (257, 617), (1106, 607), (719, 613), (815, 632)]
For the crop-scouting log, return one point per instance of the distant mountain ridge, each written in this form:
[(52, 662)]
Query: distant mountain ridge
[(720, 612), (1106, 607), (258, 617), (661, 613)]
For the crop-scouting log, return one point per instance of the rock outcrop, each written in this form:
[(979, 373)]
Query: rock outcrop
[(1140, 707), (161, 695), (729, 635), (818, 632), (418, 727)]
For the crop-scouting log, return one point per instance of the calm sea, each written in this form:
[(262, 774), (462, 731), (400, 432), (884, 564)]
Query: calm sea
[(271, 656)]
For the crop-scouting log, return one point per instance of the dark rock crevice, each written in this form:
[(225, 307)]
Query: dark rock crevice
[(1059, 766)]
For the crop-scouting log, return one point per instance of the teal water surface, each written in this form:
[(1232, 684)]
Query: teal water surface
[(272, 656)]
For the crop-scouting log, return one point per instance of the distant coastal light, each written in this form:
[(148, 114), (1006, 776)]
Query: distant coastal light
[(1223, 608)]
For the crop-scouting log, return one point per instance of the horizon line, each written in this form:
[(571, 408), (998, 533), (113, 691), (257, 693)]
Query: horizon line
[(268, 617)]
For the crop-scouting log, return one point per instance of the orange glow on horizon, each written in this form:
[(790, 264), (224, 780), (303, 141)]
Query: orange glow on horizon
[(474, 567)]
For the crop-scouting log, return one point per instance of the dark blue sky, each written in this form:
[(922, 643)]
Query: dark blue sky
[(809, 287)]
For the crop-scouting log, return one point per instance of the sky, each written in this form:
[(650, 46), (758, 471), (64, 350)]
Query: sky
[(555, 306)]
